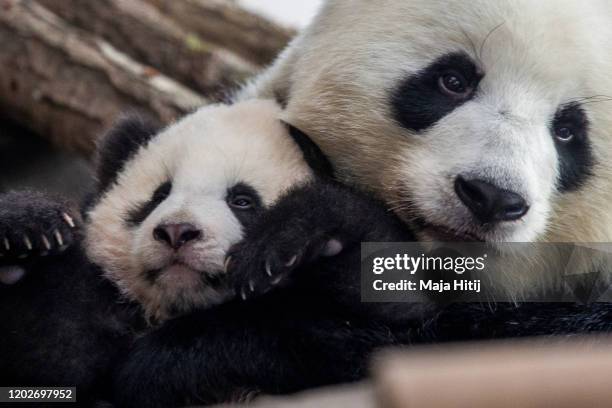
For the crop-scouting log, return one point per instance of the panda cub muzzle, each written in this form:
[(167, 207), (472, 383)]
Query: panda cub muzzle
[(178, 240)]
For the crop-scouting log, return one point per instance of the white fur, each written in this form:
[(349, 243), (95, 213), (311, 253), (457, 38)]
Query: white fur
[(536, 55), (203, 155)]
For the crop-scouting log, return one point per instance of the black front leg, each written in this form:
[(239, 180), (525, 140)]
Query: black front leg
[(312, 239), (320, 220)]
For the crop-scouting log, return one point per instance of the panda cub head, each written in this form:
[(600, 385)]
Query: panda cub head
[(172, 203)]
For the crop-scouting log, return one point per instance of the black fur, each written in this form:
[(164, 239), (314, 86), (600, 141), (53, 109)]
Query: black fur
[(120, 144), (418, 103), (313, 155), (305, 326), (258, 347), (272, 346), (63, 323), (476, 321), (576, 159), (312, 331), (289, 242)]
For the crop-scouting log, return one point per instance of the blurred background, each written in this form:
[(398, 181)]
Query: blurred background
[(68, 68)]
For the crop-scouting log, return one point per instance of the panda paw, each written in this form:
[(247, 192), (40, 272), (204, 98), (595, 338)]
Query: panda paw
[(255, 267), (34, 225)]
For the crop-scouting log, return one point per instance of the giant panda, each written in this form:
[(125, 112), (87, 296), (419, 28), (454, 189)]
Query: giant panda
[(483, 121), (168, 206)]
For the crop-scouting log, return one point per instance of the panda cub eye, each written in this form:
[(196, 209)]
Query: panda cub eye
[(243, 197), (162, 192), (137, 215), (242, 202)]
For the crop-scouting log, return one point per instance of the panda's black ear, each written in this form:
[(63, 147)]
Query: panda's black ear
[(313, 154), (119, 144)]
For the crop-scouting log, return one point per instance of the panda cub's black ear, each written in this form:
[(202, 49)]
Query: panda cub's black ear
[(313, 154), (119, 144)]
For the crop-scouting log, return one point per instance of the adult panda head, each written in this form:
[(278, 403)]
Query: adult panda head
[(481, 120), (172, 202)]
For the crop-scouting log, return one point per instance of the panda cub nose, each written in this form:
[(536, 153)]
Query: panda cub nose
[(176, 235), (490, 203)]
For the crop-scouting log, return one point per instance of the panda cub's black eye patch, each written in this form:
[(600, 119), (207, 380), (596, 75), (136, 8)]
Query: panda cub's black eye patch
[(423, 98), (570, 128), (139, 214), (244, 201)]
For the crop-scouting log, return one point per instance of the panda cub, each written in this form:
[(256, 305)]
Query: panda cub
[(167, 208)]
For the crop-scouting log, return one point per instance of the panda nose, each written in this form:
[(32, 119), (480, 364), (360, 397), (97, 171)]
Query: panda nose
[(176, 235), (490, 203)]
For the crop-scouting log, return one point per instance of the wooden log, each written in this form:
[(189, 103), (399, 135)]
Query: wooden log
[(224, 23), (144, 33), (68, 85), (521, 374)]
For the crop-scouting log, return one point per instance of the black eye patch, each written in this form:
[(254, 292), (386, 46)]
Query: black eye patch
[(139, 214), (424, 98), (245, 203), (570, 128)]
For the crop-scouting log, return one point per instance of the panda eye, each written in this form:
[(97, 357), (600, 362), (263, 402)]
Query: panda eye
[(243, 198), (570, 124), (570, 133), (564, 134), (242, 202), (139, 214), (454, 84), (162, 192)]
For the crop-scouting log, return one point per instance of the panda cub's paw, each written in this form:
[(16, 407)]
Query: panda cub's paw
[(34, 225), (257, 266)]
